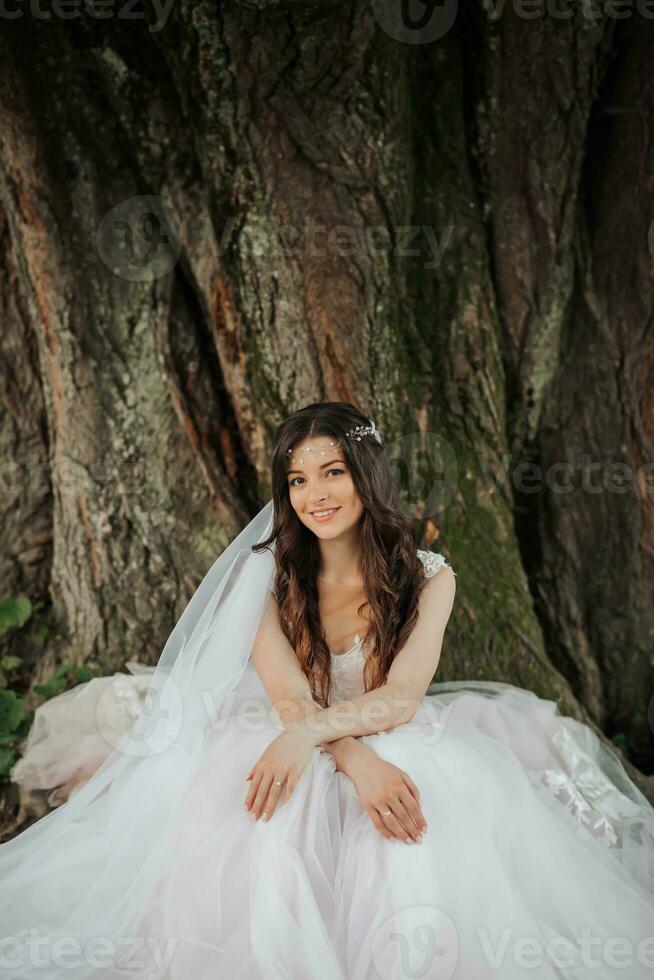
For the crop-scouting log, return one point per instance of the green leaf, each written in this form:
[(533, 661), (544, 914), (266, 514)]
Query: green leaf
[(10, 662), (7, 759), (54, 685), (14, 612), (12, 711)]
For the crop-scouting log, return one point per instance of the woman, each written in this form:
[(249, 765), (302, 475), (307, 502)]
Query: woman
[(243, 824)]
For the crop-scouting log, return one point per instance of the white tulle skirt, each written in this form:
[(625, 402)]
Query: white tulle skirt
[(538, 861)]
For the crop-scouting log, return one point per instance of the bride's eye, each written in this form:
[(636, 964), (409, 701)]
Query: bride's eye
[(334, 469)]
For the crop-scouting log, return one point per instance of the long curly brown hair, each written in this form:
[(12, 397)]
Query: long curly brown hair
[(392, 573)]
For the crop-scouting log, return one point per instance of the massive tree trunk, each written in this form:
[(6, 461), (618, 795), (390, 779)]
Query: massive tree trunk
[(210, 222)]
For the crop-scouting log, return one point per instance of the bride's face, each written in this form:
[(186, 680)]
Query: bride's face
[(319, 480)]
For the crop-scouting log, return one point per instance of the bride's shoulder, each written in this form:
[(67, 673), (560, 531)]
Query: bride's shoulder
[(432, 562)]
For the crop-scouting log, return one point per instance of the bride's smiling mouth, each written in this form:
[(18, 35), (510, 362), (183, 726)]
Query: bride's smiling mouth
[(322, 516)]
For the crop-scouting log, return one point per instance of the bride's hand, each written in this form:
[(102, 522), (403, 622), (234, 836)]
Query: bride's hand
[(381, 786), (278, 770)]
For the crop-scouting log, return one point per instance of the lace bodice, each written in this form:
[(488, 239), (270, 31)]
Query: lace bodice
[(347, 668)]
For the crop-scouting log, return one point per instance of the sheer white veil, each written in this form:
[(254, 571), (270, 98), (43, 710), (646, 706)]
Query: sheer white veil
[(88, 868)]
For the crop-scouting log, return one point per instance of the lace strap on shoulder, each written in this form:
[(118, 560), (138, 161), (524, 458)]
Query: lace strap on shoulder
[(432, 562)]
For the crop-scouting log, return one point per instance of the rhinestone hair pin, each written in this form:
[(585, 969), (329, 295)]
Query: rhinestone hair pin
[(365, 430)]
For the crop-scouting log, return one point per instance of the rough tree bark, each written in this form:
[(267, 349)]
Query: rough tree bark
[(232, 139)]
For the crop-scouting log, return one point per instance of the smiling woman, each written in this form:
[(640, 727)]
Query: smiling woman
[(318, 492), (247, 816)]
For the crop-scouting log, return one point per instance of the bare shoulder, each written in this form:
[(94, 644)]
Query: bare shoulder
[(433, 562)]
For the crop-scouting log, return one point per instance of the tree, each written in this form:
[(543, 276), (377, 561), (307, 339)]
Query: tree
[(212, 214)]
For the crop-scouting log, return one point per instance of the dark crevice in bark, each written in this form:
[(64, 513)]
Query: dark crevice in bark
[(221, 442)]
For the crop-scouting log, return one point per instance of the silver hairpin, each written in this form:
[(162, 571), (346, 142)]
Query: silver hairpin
[(365, 430)]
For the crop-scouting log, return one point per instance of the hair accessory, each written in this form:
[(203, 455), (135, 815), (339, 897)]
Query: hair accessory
[(365, 430), (356, 433), (310, 450)]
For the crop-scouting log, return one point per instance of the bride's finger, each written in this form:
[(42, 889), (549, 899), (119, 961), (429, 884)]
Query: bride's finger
[(262, 796), (410, 803), (412, 786), (406, 819), (273, 797), (252, 790)]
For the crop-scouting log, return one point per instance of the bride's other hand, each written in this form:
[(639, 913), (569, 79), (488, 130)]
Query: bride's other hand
[(277, 771), (382, 786)]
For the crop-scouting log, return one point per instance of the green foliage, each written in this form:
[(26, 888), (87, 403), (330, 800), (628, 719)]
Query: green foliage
[(14, 612), (66, 675), (15, 721)]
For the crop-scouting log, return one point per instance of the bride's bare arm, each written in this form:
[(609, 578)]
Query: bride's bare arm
[(345, 750), (288, 688), (375, 780), (396, 701)]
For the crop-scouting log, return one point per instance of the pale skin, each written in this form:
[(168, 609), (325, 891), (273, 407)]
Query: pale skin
[(319, 479)]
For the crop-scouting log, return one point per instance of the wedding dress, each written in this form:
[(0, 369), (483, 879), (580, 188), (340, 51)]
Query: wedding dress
[(538, 860)]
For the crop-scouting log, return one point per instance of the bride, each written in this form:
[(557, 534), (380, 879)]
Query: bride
[(289, 796)]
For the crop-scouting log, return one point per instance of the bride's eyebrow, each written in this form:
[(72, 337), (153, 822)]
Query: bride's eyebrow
[(330, 463)]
